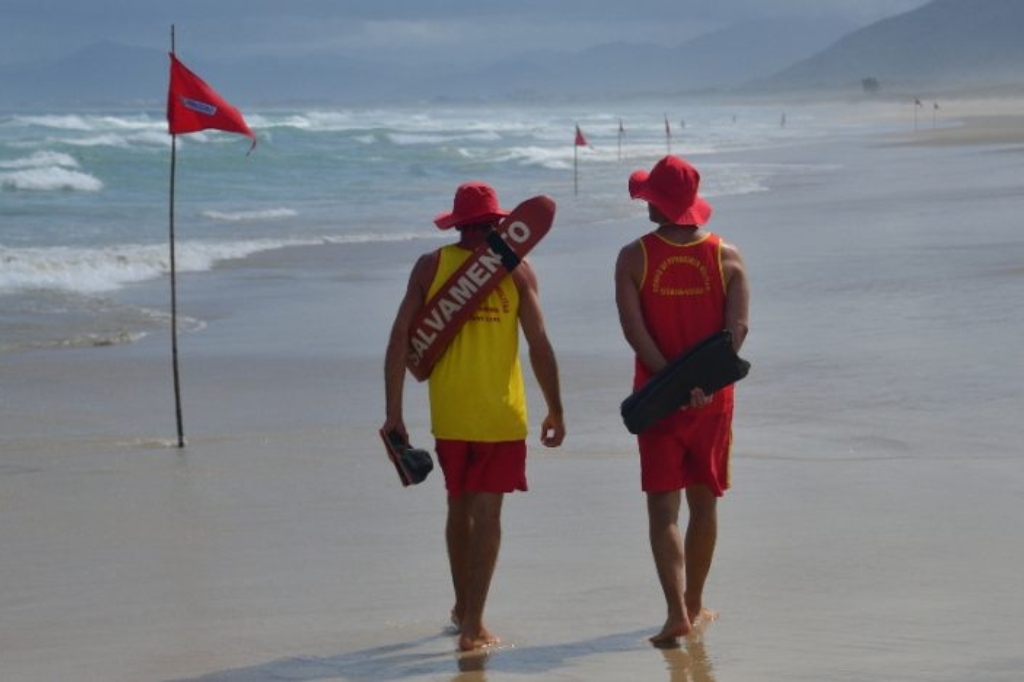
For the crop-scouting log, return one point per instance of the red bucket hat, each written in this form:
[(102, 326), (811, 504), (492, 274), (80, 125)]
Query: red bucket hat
[(475, 202), (672, 187)]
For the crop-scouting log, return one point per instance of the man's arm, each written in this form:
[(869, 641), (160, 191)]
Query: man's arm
[(542, 354), (737, 295), (628, 272), (398, 342)]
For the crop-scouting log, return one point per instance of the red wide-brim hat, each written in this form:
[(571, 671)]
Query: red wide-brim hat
[(672, 187), (475, 202)]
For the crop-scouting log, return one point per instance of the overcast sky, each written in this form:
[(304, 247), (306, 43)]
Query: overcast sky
[(33, 29)]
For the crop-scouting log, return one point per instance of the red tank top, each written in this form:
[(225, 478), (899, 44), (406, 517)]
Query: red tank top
[(683, 299)]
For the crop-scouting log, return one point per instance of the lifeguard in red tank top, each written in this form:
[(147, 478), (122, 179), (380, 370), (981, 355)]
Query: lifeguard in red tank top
[(683, 282)]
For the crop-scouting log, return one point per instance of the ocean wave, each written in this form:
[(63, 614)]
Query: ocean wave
[(249, 216), (148, 138), (97, 270), (375, 238), (94, 270), (487, 126), (41, 159), (56, 121), (90, 123), (562, 157), (545, 157), (413, 138), (413, 130), (86, 130), (46, 170), (312, 121), (52, 178)]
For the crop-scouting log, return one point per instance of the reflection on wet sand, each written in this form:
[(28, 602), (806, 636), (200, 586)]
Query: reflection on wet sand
[(689, 661)]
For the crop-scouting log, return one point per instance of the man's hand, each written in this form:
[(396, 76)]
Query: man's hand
[(699, 399), (552, 431)]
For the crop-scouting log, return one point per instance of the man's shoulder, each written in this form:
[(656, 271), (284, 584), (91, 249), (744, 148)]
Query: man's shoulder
[(631, 250), (428, 258), (635, 245), (425, 267), (729, 249)]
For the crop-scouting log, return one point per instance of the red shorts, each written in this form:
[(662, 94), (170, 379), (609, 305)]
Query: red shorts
[(472, 466), (686, 448)]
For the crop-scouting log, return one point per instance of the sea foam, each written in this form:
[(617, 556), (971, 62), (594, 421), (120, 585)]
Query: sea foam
[(249, 216), (97, 270), (46, 171), (49, 179)]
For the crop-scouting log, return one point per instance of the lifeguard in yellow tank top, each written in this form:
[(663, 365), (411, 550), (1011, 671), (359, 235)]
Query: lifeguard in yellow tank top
[(477, 398), (476, 388)]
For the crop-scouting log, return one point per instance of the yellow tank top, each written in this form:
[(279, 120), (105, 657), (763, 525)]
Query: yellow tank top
[(476, 388)]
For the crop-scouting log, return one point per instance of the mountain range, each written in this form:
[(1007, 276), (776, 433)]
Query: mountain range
[(944, 44)]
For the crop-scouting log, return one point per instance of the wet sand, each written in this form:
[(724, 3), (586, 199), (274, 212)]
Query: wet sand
[(871, 532)]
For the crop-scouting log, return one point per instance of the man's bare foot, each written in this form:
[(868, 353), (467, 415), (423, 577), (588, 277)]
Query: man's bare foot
[(703, 618), (479, 640), (671, 632)]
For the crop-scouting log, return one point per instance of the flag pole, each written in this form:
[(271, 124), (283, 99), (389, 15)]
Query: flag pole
[(621, 131), (576, 162), (576, 169), (174, 288)]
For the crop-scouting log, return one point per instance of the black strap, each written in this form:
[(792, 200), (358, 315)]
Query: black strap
[(509, 259)]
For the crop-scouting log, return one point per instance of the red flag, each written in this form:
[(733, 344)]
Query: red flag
[(192, 105), (580, 140)]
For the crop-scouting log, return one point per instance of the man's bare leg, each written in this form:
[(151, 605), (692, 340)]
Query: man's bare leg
[(457, 532), (484, 543), (667, 546), (701, 535)]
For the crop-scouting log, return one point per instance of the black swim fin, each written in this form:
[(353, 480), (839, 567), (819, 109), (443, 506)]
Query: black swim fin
[(710, 365)]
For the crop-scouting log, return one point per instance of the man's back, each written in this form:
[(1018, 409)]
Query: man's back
[(682, 292), (476, 387)]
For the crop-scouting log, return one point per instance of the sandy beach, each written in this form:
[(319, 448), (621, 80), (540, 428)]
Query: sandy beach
[(1006, 130), (967, 121), (871, 532)]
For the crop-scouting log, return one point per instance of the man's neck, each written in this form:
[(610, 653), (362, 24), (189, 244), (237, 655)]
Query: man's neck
[(680, 234), (472, 237)]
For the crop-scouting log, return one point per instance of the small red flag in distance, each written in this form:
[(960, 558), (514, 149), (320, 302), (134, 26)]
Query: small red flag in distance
[(580, 140)]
